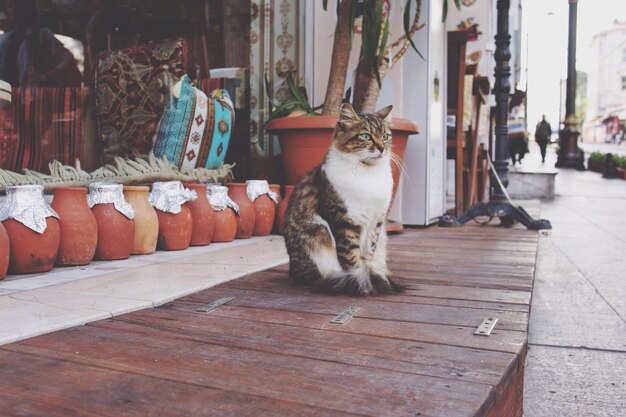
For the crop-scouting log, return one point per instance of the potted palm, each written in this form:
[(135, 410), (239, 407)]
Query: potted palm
[(304, 140)]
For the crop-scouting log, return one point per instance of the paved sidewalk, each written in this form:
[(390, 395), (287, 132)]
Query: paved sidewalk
[(576, 365)]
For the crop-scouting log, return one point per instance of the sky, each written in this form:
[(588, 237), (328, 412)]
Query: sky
[(545, 26)]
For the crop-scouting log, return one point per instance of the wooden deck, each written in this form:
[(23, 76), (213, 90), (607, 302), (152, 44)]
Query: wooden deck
[(274, 352)]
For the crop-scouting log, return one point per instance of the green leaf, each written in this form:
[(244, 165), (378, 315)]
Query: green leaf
[(457, 3), (407, 17)]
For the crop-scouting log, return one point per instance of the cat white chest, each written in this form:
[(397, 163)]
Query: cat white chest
[(365, 190)]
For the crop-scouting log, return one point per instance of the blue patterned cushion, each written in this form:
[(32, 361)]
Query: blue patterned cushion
[(195, 129)]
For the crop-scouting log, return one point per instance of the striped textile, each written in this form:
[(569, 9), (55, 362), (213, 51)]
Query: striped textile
[(42, 124), (195, 130)]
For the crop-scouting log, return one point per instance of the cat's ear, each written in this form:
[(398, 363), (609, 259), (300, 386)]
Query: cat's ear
[(385, 113), (347, 116)]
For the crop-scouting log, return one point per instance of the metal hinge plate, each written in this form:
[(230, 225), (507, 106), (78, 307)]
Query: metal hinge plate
[(346, 315), (215, 304), (486, 326)]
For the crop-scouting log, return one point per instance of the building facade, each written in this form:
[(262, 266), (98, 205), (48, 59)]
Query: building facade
[(606, 86)]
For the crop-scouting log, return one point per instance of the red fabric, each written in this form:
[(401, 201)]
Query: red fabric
[(41, 125), (131, 87)]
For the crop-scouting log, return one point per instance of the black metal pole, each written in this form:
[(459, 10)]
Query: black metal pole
[(569, 155), (502, 88), (570, 97)]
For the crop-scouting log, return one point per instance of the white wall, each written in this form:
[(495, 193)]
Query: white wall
[(409, 86)]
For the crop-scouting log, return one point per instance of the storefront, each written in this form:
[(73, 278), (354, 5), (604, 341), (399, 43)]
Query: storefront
[(90, 79)]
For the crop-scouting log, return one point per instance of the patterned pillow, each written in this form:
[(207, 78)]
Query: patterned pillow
[(195, 130), (131, 92)]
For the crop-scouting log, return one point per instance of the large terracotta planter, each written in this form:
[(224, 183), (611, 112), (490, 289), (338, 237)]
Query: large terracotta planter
[(79, 229), (282, 207), (225, 211), (169, 199), (116, 227), (202, 215), (305, 139), (238, 192), (146, 220), (5, 250)]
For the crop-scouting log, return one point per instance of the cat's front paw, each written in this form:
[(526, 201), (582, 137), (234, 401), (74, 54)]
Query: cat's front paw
[(382, 284)]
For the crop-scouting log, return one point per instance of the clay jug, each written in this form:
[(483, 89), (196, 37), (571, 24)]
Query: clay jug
[(5, 248), (275, 188), (116, 227), (226, 212), (238, 192), (169, 199), (33, 230), (203, 216), (264, 202), (146, 220), (282, 207), (79, 229)]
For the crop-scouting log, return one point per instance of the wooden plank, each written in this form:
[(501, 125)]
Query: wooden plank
[(313, 383), (374, 308), (499, 341), (84, 390), (358, 350), (277, 282)]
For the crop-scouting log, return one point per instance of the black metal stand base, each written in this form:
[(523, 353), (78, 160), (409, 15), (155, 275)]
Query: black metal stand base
[(569, 154), (571, 161), (507, 213)]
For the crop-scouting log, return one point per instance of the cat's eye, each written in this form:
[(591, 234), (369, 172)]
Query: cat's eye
[(365, 136), (386, 137)]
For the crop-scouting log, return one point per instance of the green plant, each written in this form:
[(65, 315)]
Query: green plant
[(620, 161), (299, 100), (596, 157), (377, 54)]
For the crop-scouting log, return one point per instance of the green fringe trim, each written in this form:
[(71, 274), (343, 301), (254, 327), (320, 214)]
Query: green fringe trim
[(142, 170)]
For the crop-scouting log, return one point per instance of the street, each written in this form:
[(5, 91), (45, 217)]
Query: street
[(576, 364)]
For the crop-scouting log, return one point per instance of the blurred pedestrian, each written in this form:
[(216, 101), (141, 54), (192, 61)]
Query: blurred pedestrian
[(543, 131)]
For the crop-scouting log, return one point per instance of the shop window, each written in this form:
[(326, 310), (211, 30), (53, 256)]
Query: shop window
[(97, 75)]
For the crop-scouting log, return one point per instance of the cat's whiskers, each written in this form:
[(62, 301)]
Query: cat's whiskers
[(400, 164)]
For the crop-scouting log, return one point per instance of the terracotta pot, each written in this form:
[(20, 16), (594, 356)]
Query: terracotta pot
[(225, 216), (175, 229), (32, 252), (33, 229), (79, 229), (146, 220), (225, 225), (5, 250), (264, 207), (282, 207), (276, 189), (246, 219), (170, 200), (116, 233), (304, 141), (202, 215)]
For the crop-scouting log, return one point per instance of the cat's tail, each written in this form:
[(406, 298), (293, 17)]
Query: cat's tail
[(358, 283)]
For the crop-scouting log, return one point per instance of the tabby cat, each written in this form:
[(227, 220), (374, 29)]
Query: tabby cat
[(334, 222)]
